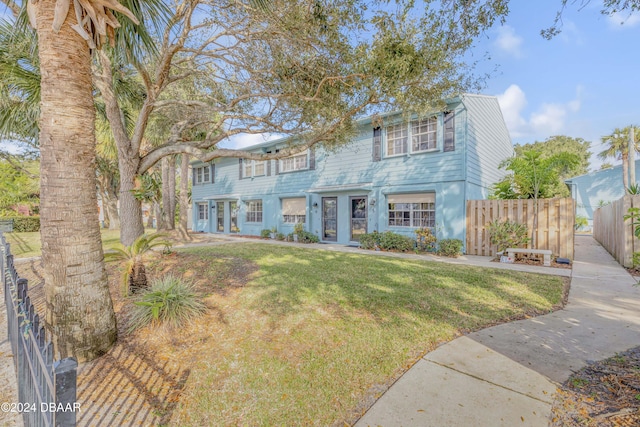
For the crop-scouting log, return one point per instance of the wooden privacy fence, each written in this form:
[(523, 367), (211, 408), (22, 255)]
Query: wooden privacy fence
[(614, 233), (556, 218)]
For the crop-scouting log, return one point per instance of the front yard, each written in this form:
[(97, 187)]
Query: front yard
[(294, 336)]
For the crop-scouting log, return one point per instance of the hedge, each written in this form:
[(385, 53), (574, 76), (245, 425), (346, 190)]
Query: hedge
[(24, 224)]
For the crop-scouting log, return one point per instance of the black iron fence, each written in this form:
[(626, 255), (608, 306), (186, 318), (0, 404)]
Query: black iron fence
[(46, 388)]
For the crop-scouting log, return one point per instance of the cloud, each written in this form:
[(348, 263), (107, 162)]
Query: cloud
[(623, 21), (509, 42), (546, 120), (246, 140)]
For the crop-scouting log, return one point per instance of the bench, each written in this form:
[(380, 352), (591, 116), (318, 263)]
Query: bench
[(6, 225), (545, 252)]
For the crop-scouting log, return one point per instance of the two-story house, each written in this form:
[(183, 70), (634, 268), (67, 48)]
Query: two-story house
[(399, 176)]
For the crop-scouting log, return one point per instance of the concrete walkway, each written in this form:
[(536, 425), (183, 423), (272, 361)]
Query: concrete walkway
[(507, 375)]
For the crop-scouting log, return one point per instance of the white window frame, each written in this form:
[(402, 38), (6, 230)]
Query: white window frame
[(253, 214), (249, 168), (294, 163), (202, 217), (397, 137), (431, 134), (401, 139), (417, 210), (294, 210), (201, 172)]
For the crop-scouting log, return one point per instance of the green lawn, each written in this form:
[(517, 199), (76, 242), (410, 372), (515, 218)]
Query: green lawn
[(25, 245), (312, 331)]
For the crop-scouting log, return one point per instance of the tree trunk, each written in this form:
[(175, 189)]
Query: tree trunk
[(109, 202), (625, 173), (167, 224), (159, 216), (184, 196), (79, 310), (138, 278), (131, 226), (171, 216)]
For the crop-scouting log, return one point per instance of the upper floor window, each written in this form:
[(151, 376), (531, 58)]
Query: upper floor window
[(253, 168), (294, 163), (254, 211), (412, 210), (396, 139), (202, 174), (423, 134)]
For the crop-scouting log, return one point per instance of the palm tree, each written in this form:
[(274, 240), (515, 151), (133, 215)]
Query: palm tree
[(618, 147), (79, 314), (134, 276)]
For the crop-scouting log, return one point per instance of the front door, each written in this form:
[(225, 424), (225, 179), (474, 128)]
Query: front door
[(330, 219), (358, 217), (220, 217)]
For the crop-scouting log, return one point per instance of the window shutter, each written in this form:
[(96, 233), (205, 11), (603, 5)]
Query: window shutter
[(449, 131), (277, 165), (194, 171), (377, 144), (240, 168), (212, 171), (268, 167), (312, 158)]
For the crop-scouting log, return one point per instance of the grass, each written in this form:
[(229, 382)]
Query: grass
[(312, 332), (26, 245)]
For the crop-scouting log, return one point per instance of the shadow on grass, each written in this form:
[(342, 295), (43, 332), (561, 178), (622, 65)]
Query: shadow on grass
[(392, 290)]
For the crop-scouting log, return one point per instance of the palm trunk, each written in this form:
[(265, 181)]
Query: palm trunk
[(109, 202), (79, 313), (171, 217)]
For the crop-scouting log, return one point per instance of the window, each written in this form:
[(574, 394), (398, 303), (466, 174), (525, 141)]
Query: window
[(294, 163), (203, 211), (253, 168), (254, 211), (412, 210), (294, 210), (423, 134), (396, 139), (202, 175)]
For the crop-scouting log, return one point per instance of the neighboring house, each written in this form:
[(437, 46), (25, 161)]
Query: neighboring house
[(595, 189), (398, 177)]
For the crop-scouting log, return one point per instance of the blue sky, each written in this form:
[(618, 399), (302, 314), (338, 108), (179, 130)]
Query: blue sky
[(582, 83)]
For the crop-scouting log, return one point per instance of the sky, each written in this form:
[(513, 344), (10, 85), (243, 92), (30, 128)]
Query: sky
[(582, 83)]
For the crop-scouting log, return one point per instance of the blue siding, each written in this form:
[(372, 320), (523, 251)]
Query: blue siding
[(350, 171), (596, 188)]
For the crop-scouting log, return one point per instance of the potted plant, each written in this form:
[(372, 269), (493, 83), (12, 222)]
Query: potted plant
[(298, 229), (273, 233)]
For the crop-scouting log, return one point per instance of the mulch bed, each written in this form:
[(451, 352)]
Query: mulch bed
[(603, 394)]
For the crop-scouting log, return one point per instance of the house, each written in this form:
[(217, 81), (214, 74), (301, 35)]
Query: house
[(398, 177), (596, 189)]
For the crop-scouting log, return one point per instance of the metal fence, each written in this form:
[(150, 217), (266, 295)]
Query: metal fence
[(6, 225), (46, 388)]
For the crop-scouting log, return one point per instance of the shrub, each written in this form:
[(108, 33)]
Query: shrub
[(298, 228), (307, 237), (450, 247), (280, 236), (170, 300), (425, 239), (265, 234), (370, 240), (25, 224), (390, 241), (134, 276), (581, 222), (507, 234)]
